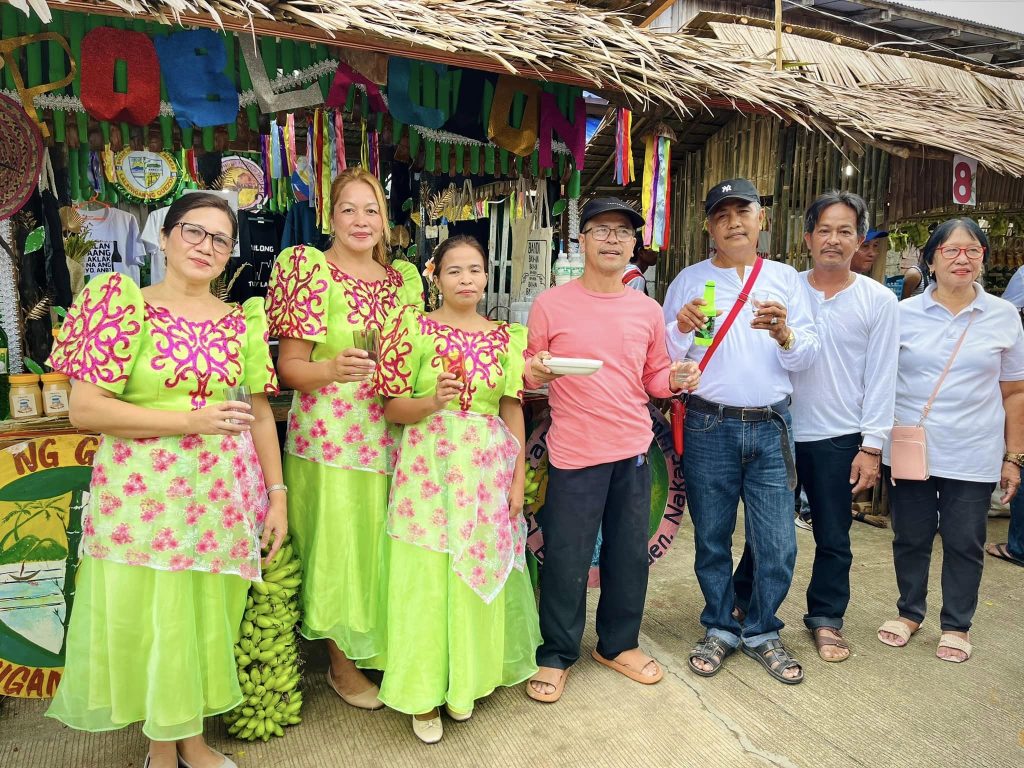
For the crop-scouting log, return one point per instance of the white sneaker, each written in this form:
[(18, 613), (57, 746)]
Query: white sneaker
[(428, 731), (802, 522), (228, 762)]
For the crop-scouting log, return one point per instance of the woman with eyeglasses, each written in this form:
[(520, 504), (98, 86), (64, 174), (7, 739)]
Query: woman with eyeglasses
[(186, 489), (327, 309), (974, 429)]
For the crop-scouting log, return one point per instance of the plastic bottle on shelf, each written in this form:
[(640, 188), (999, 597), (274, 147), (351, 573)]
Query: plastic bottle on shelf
[(562, 270), (576, 265)]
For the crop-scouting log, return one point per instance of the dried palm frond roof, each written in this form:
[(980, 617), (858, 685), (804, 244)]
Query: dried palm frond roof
[(555, 39)]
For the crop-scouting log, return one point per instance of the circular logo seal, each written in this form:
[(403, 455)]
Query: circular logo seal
[(668, 492), (245, 177), (146, 175)]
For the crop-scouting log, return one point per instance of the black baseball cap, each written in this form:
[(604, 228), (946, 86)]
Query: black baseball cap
[(610, 205), (730, 189)]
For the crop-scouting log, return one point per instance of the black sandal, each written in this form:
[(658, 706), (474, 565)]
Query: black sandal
[(711, 650), (773, 656)]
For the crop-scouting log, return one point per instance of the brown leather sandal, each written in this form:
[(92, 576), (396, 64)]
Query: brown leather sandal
[(822, 641)]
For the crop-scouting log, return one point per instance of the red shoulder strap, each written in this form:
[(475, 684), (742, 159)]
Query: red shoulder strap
[(736, 307)]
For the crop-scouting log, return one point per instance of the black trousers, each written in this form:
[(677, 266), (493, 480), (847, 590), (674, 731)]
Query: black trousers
[(958, 510), (824, 470), (614, 498)]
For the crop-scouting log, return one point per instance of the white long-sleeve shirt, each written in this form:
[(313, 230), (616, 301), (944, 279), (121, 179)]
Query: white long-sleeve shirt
[(851, 385), (749, 368)]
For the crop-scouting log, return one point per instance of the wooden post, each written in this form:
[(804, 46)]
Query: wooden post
[(778, 35)]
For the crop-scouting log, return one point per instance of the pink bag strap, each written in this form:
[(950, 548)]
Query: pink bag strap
[(952, 357)]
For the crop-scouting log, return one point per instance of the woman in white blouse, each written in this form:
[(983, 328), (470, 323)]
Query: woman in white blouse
[(975, 432)]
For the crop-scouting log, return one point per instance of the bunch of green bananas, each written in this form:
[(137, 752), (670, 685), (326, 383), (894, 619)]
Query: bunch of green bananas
[(267, 653), (532, 486)]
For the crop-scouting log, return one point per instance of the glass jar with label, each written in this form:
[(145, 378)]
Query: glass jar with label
[(56, 393), (26, 399)]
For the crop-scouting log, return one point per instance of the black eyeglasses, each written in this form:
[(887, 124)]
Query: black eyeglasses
[(193, 234)]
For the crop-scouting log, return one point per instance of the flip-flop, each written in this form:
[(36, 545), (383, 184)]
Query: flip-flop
[(633, 674), (954, 643), (1002, 552), (898, 628), (547, 698)]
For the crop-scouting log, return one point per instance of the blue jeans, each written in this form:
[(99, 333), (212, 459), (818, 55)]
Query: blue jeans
[(1015, 541), (724, 459)]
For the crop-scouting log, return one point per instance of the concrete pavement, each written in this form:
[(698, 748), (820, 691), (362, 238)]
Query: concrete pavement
[(881, 707)]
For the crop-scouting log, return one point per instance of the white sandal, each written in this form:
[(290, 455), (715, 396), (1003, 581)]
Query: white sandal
[(956, 643), (898, 628)]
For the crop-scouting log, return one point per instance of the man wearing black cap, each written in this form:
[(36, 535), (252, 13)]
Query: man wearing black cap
[(869, 252), (738, 428), (598, 477)]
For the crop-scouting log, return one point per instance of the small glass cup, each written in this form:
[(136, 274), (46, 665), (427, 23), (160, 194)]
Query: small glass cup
[(239, 393), (757, 298), (368, 339), (680, 375)]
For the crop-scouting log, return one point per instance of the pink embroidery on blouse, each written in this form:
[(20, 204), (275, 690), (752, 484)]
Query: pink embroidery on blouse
[(369, 301), (199, 353), (295, 301), (481, 353), (97, 336), (391, 378)]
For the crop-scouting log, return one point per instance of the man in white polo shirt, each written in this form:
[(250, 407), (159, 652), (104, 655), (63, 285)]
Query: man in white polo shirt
[(842, 405), (737, 431)]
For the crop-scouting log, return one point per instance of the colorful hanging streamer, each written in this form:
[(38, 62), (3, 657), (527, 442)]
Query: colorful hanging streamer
[(657, 159), (624, 170)]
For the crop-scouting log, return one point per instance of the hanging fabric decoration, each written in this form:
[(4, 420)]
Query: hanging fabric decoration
[(275, 151), (339, 138), (291, 153), (657, 156), (624, 171), (403, 77)]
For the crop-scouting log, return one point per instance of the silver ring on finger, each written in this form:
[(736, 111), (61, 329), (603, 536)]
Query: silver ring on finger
[(775, 320)]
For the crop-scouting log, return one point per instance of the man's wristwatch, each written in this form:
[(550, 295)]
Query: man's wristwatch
[(1014, 458), (789, 342)]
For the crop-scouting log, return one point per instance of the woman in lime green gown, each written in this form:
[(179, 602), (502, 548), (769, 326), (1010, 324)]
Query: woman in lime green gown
[(461, 615), (179, 491), (339, 451)]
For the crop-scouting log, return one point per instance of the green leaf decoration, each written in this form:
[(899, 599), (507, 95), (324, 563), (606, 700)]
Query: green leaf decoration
[(407, 205), (410, 254), (558, 208), (61, 313), (35, 239), (32, 365)]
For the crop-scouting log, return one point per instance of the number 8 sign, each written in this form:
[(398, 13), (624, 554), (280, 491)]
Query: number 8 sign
[(965, 174)]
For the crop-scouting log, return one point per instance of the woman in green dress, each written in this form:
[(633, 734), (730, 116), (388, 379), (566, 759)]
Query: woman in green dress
[(461, 614), (183, 480), (339, 450)]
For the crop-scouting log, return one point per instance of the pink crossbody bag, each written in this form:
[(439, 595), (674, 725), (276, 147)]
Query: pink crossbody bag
[(908, 451)]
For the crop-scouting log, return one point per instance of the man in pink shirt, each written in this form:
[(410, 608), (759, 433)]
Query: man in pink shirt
[(599, 478)]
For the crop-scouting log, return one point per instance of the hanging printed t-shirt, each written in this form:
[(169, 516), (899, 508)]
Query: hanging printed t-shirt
[(118, 246), (151, 241), (259, 242)]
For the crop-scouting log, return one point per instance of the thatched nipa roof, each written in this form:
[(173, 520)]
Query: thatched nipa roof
[(555, 39)]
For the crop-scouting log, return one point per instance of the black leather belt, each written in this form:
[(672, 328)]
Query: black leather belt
[(775, 412)]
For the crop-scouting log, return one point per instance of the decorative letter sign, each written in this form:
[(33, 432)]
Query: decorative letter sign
[(965, 174), (101, 49), (192, 63)]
